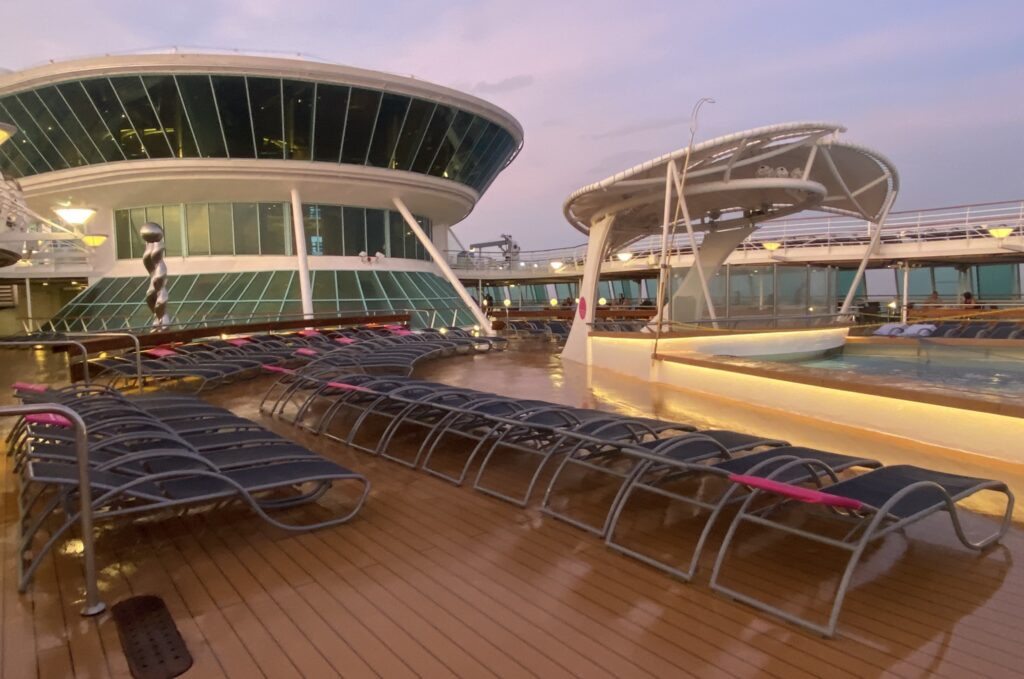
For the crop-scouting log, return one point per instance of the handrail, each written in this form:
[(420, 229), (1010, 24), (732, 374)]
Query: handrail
[(135, 340), (960, 222), (93, 604), (53, 343)]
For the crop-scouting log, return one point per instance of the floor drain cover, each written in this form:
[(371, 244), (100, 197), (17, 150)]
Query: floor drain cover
[(152, 644)]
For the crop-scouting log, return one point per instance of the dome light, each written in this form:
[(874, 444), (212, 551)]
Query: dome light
[(556, 265), (624, 256), (554, 302), (94, 240), (75, 216), (771, 246), (1001, 231), (507, 303), (601, 301)]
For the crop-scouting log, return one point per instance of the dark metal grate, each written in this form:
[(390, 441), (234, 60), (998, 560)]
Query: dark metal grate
[(152, 644)]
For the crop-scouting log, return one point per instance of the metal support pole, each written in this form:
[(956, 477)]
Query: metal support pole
[(906, 292), (680, 188), (299, 228), (28, 303), (439, 260), (93, 604), (875, 238)]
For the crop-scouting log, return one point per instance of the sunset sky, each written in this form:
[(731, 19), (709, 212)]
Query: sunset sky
[(938, 87)]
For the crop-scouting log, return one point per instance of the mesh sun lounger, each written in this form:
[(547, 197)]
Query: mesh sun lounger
[(876, 504), (663, 480), (623, 463), (117, 494)]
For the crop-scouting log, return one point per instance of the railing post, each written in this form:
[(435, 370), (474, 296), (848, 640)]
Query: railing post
[(93, 604)]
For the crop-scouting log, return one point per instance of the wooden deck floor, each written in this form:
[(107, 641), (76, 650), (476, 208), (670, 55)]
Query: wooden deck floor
[(436, 581)]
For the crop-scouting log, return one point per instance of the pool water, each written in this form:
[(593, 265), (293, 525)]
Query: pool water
[(988, 375)]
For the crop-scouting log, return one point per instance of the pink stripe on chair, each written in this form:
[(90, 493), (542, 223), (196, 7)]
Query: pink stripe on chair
[(160, 352), (307, 352), (798, 493), (344, 340), (308, 332), (349, 387), (30, 386), (277, 369), (239, 341), (51, 419)]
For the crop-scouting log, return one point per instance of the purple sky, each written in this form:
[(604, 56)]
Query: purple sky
[(938, 87)]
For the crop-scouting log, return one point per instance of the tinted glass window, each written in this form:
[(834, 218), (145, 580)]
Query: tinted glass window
[(323, 285), (164, 95), (122, 234), (221, 235), (141, 115), (15, 160), (53, 130), (82, 139), (456, 167), (396, 235), (172, 230), (370, 285), (416, 121), (331, 105), (331, 230), (233, 106), (298, 119), (265, 104), (197, 93), (362, 112), (479, 151), (452, 140), (348, 286), (375, 231), (499, 154), (9, 169), (197, 219), (275, 228), (247, 229), (389, 126), (436, 131), (355, 231), (28, 137), (109, 107)]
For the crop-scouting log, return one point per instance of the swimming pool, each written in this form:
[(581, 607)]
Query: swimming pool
[(999, 375)]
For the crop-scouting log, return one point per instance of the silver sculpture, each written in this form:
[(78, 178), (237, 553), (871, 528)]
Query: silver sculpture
[(153, 260)]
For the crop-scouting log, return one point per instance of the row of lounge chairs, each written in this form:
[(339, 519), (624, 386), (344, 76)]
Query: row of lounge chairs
[(156, 452), (605, 467), (951, 329), (213, 362), (554, 330)]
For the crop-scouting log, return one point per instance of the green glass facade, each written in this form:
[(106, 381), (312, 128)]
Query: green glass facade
[(117, 303), (204, 229), (133, 117)]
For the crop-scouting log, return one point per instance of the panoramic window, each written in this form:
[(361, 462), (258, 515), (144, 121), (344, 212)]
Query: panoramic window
[(236, 124)]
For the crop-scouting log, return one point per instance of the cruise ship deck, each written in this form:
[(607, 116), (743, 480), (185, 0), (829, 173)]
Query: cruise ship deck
[(433, 580)]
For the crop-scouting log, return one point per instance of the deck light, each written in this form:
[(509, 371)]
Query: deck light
[(1001, 231), (23, 262), (771, 245), (507, 303), (556, 265), (476, 328), (554, 302), (443, 331), (624, 256), (892, 304), (601, 301)]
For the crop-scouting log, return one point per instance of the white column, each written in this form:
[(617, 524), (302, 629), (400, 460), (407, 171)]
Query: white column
[(439, 260), (298, 226), (577, 345), (28, 304), (906, 292)]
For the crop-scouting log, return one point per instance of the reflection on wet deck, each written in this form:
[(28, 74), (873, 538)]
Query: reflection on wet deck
[(433, 580)]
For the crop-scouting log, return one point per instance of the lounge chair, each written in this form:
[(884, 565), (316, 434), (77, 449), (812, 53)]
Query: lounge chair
[(877, 503)]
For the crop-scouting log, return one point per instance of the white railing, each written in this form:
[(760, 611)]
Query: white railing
[(959, 222)]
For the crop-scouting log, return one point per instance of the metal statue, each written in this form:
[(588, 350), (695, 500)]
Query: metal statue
[(153, 260)]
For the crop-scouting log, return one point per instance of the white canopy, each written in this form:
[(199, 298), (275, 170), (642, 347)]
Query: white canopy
[(744, 178)]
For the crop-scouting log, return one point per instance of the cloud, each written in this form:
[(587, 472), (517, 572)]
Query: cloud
[(516, 82)]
